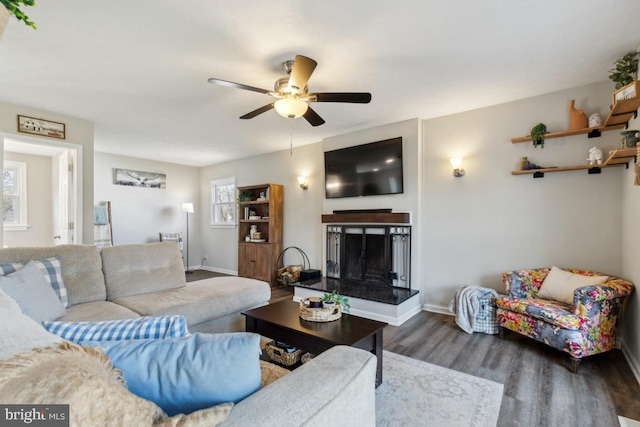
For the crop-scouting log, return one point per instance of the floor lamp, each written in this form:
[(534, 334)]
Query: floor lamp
[(187, 208)]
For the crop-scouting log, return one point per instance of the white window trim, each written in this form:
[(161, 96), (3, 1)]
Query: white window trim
[(22, 224), (212, 216)]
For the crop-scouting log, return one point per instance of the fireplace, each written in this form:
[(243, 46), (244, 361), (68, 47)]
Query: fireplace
[(368, 259), (375, 254)]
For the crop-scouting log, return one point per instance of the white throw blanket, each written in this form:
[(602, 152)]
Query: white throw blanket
[(466, 305), (102, 236)]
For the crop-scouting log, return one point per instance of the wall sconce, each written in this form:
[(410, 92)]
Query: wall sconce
[(457, 169), (304, 184)]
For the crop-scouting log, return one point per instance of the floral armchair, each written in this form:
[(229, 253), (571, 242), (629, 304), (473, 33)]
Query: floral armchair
[(584, 328)]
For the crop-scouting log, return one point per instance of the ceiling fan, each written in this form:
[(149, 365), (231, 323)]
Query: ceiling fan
[(291, 93)]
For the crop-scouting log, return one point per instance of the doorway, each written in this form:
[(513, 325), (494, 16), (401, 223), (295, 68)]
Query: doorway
[(52, 192)]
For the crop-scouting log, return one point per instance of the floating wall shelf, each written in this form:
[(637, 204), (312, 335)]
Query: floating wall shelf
[(539, 173), (593, 132), (621, 112)]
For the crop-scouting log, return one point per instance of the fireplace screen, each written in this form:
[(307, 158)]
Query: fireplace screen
[(372, 254)]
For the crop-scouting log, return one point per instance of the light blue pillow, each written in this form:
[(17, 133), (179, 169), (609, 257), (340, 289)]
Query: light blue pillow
[(35, 297), (182, 375), (51, 268), (127, 329)]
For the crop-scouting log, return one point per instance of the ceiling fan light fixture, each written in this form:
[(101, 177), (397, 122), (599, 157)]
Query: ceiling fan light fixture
[(290, 107)]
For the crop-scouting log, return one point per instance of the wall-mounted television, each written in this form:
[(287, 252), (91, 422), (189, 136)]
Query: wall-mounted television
[(364, 170)]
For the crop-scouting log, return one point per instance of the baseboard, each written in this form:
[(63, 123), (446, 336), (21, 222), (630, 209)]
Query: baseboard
[(632, 361), (218, 270), (437, 309)]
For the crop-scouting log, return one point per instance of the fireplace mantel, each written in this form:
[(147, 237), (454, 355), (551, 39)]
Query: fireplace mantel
[(368, 217)]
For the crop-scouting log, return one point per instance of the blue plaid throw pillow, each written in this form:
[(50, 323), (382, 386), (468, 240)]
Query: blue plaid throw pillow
[(51, 268), (126, 329)]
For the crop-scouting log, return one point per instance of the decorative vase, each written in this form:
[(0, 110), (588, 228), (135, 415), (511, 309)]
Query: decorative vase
[(629, 138), (595, 120)]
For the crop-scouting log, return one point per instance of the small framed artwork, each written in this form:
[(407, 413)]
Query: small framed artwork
[(41, 127), (133, 178)]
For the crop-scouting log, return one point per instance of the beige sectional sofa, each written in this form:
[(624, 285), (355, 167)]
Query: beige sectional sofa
[(335, 388), (128, 281)]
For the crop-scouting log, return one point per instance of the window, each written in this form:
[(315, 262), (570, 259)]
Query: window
[(223, 202), (14, 192)]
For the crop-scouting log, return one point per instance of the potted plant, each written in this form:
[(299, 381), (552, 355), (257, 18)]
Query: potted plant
[(626, 70), (334, 298), (537, 134), (13, 7)]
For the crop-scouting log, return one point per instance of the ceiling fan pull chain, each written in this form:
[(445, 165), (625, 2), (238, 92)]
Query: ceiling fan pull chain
[(291, 138)]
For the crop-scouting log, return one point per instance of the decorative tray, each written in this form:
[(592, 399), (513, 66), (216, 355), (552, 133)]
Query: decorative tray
[(318, 314)]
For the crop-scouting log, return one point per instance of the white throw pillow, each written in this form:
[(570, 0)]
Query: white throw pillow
[(19, 332), (34, 295), (560, 284)]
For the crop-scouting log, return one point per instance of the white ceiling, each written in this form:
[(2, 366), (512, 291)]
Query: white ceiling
[(139, 69)]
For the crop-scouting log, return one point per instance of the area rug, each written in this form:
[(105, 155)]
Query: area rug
[(416, 393)]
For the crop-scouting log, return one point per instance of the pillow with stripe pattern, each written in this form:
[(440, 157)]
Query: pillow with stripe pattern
[(51, 268), (34, 296), (116, 330)]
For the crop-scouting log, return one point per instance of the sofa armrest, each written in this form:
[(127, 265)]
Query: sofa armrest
[(524, 283), (337, 382), (611, 289)]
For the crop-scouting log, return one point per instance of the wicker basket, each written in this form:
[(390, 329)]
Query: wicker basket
[(277, 354), (321, 314)]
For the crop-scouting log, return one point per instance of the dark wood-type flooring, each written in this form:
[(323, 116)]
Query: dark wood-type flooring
[(539, 388)]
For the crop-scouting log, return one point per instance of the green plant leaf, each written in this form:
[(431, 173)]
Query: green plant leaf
[(13, 7)]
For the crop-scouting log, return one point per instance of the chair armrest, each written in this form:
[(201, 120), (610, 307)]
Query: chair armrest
[(611, 289), (524, 283)]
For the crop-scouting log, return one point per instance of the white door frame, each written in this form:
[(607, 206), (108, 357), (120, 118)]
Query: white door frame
[(78, 169)]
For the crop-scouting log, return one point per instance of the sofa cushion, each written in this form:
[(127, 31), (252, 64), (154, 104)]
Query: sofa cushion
[(96, 311), (559, 284), (18, 332), (141, 269), (556, 313), (202, 300), (96, 393), (127, 329), (81, 268), (34, 295), (182, 375)]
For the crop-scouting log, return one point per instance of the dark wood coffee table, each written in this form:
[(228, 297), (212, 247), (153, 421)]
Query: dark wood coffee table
[(280, 321)]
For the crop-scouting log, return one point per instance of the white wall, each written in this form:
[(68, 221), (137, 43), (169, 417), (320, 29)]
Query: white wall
[(488, 221), (39, 203), (302, 208), (78, 132), (631, 267), (139, 214)]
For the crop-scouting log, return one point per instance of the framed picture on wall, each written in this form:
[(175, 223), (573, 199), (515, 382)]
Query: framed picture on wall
[(133, 178), (41, 127)]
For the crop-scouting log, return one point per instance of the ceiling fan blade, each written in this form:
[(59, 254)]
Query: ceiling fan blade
[(257, 112), (352, 97), (313, 118), (301, 71), (237, 86)]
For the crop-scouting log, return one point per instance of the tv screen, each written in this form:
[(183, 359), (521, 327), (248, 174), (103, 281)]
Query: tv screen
[(364, 170)]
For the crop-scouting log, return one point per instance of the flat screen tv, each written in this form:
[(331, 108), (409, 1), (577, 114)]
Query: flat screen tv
[(364, 170)]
